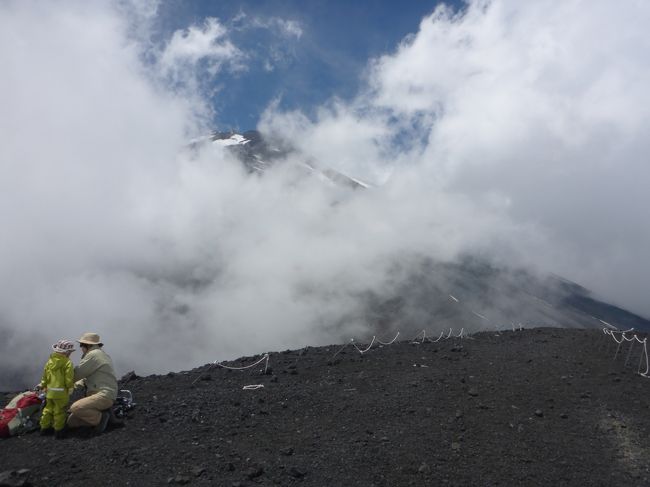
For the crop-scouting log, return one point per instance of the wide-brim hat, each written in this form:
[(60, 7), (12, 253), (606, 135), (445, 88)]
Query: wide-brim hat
[(90, 339)]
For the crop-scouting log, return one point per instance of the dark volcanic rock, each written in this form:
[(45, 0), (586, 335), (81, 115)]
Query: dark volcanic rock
[(546, 412), (15, 478)]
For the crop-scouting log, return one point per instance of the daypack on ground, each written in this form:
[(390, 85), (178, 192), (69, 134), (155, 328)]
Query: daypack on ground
[(121, 407), (21, 414)]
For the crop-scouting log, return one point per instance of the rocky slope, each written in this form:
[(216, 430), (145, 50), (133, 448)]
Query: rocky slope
[(543, 406)]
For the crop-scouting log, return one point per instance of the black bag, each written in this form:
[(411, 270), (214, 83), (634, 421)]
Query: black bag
[(122, 405)]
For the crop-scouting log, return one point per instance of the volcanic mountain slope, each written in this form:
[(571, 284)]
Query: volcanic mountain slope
[(542, 406), (259, 154), (411, 291), (483, 296), (420, 290)]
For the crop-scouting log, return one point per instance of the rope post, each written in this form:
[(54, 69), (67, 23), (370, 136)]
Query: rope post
[(341, 349), (608, 344), (644, 353), (629, 353), (201, 374), (641, 356), (416, 337), (617, 349)]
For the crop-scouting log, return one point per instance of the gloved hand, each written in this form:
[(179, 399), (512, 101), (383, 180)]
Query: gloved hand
[(38, 387), (80, 384)]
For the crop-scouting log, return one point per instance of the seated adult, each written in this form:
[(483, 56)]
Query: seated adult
[(95, 372)]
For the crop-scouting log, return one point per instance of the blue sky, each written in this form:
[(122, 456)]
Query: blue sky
[(337, 41)]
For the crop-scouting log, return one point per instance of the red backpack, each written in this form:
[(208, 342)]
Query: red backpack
[(21, 414)]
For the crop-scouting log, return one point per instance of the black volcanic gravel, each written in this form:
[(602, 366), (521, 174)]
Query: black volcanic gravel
[(545, 406)]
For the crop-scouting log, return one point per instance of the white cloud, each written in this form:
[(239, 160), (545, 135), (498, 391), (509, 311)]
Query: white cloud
[(538, 105), (289, 28), (208, 43), (516, 129), (175, 258), (276, 38), (87, 143)]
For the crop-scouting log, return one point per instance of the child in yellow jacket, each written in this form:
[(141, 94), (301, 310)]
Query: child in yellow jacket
[(58, 383)]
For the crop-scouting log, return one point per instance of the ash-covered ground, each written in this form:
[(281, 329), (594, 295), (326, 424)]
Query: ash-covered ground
[(543, 406)]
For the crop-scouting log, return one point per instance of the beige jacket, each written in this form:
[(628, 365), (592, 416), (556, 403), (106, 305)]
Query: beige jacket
[(96, 371)]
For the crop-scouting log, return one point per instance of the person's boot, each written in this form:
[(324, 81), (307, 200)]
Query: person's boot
[(101, 427), (46, 431), (60, 434)]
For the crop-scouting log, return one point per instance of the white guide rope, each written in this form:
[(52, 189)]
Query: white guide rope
[(632, 339), (607, 324), (442, 336), (362, 351), (424, 336), (612, 333), (416, 340), (264, 358), (388, 343)]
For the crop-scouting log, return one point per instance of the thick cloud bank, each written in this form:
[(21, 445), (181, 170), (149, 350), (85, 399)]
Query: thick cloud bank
[(535, 112), (512, 130)]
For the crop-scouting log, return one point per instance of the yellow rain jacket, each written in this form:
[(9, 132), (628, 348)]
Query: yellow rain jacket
[(58, 377)]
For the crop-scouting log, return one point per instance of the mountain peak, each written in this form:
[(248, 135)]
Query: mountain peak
[(258, 153)]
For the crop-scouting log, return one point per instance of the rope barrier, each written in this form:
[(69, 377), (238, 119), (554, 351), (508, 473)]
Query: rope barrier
[(416, 340), (610, 330), (266, 366), (607, 324), (265, 357), (619, 336), (340, 350), (647, 362), (423, 333), (363, 351), (389, 343), (442, 333), (424, 336), (631, 340), (442, 336)]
